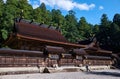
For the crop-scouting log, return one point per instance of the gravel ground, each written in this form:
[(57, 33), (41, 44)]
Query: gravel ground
[(98, 74)]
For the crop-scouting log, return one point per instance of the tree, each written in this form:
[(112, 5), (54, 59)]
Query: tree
[(42, 15), (95, 29), (1, 7), (4, 34), (26, 8), (9, 13), (70, 30), (1, 20), (104, 34), (1, 12), (57, 18), (115, 33), (37, 15), (104, 21), (7, 16), (116, 19), (45, 14), (85, 29)]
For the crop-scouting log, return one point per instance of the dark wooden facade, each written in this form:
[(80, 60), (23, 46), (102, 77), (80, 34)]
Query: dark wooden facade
[(66, 59), (54, 54), (33, 36), (38, 45), (97, 56), (21, 58), (79, 56)]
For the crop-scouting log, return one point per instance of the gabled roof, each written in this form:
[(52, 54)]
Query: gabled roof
[(52, 49), (40, 33), (93, 47), (79, 51), (97, 57), (20, 52)]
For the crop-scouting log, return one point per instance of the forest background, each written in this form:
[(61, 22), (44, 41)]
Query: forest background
[(72, 28)]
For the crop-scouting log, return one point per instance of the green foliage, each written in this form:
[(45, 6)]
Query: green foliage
[(115, 36), (1, 7), (37, 15), (42, 15), (107, 32), (116, 19), (70, 29), (104, 30), (85, 29), (104, 21), (4, 34), (95, 29), (9, 14), (26, 8), (57, 17), (1, 11), (10, 10)]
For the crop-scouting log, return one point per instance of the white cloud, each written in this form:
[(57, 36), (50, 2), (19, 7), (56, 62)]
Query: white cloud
[(35, 3), (4, 1), (35, 6), (63, 4), (101, 7), (85, 6), (67, 4)]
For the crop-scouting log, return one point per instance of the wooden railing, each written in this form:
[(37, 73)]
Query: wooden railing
[(66, 62), (11, 61), (21, 61), (97, 62)]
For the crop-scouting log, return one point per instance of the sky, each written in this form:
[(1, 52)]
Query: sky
[(92, 10)]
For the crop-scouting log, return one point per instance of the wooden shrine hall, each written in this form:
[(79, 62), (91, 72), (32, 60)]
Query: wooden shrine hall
[(34, 44)]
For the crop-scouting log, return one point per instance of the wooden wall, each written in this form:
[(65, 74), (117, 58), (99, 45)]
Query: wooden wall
[(11, 61)]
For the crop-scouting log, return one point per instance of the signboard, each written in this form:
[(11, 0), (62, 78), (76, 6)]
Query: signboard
[(52, 56), (79, 57)]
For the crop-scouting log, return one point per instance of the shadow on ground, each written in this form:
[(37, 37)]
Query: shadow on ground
[(115, 74)]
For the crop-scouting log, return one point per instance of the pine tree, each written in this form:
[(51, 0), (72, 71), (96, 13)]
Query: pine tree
[(70, 30), (1, 20), (116, 19), (57, 18), (9, 14), (104, 34), (85, 29), (26, 8)]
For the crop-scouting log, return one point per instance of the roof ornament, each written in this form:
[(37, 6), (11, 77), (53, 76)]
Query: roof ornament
[(49, 26), (58, 29), (21, 15), (31, 21), (40, 24)]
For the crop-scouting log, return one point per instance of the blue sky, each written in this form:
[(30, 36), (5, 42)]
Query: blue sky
[(92, 10)]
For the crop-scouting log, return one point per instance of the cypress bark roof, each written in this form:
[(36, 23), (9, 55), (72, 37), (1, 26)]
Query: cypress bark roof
[(41, 33), (52, 49), (32, 30), (79, 51), (97, 57), (20, 52)]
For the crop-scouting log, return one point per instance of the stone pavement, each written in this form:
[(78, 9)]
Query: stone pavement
[(51, 69), (96, 74)]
